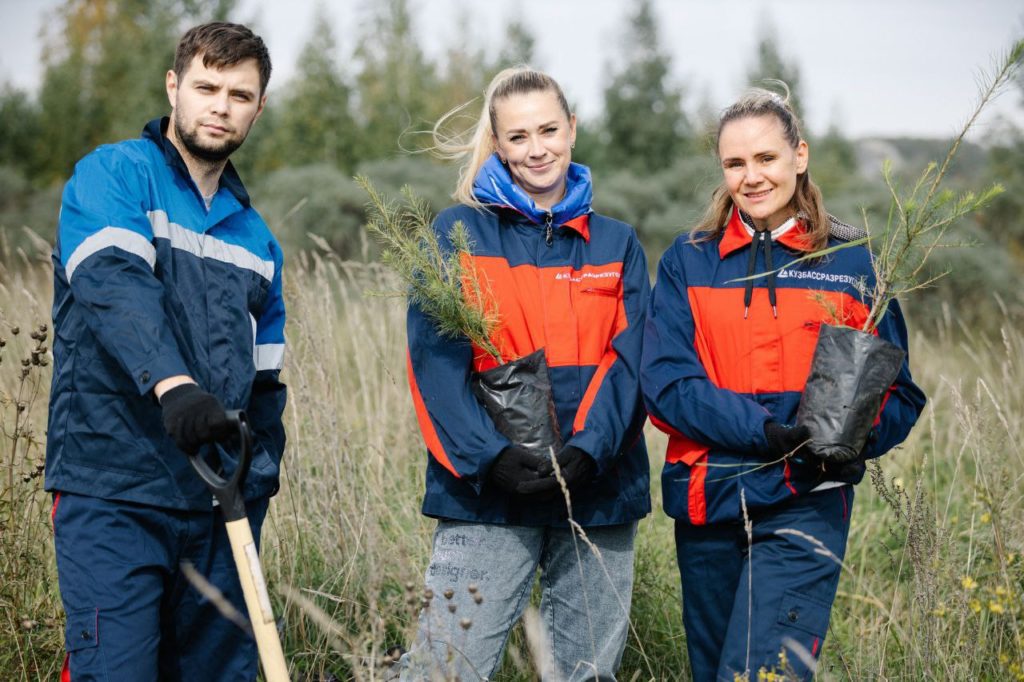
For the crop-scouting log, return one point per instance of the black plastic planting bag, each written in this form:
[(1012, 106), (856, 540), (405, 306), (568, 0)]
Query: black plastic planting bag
[(517, 396), (850, 374)]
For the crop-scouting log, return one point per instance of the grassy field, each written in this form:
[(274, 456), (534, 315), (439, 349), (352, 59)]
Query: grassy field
[(933, 585)]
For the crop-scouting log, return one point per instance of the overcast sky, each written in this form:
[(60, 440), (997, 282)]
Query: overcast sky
[(874, 67)]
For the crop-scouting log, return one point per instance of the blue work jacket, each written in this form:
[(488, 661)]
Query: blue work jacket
[(149, 284)]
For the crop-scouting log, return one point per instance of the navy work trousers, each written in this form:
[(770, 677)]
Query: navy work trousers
[(770, 596), (131, 613)]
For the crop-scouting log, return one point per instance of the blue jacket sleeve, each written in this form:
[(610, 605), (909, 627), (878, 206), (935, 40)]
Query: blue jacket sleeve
[(611, 414), (269, 394), (457, 430), (905, 401), (676, 387), (105, 245)]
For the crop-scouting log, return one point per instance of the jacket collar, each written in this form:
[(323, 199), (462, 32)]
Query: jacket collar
[(738, 234), (494, 186), (156, 132)]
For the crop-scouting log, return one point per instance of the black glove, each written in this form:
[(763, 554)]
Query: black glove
[(575, 464), (787, 440), (513, 468), (194, 417)]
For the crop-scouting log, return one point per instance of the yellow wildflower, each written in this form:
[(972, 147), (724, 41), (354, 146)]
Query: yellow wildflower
[(968, 582), (975, 605), (986, 518), (995, 607)]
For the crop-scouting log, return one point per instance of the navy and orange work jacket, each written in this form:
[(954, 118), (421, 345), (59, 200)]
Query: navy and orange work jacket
[(582, 297), (713, 373)]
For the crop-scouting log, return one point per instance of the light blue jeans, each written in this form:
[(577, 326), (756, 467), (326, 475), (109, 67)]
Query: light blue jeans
[(480, 577)]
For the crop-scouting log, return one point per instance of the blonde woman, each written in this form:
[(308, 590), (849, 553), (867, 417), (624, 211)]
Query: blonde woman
[(574, 283)]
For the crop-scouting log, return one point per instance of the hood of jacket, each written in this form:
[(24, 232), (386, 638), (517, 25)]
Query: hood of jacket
[(494, 186)]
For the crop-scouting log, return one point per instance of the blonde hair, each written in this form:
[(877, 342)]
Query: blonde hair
[(475, 145), (807, 200)]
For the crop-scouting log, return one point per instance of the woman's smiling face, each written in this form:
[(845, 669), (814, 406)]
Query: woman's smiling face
[(534, 138), (760, 168)]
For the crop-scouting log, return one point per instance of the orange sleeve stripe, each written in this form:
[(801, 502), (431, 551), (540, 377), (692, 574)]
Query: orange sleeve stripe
[(685, 450), (426, 425), (595, 385), (697, 503)]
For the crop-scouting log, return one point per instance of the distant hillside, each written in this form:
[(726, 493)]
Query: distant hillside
[(909, 156)]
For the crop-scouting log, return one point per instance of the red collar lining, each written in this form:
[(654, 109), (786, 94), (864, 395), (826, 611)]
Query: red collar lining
[(736, 237)]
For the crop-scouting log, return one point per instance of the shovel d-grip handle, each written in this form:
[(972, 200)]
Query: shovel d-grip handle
[(228, 491)]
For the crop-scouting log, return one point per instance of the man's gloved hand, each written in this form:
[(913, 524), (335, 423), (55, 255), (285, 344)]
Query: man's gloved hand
[(194, 417), (513, 468), (787, 440)]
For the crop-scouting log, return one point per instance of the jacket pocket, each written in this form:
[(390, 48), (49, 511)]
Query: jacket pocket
[(82, 630), (613, 291), (804, 613)]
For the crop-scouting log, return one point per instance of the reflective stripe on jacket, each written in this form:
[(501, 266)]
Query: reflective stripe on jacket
[(148, 285), (713, 373)]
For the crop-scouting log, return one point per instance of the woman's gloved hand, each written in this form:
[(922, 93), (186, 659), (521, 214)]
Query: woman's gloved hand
[(575, 464), (787, 441), (514, 468)]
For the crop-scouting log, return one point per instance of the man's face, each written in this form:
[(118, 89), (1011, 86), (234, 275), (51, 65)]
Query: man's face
[(213, 109)]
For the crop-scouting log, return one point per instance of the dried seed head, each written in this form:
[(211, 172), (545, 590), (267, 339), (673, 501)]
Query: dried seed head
[(43, 362), (425, 603), (3, 342), (411, 601), (449, 593), (42, 328), (465, 623), (428, 594), (409, 587), (34, 336), (25, 362), (478, 598), (452, 607), (24, 372), (29, 624), (15, 331), (472, 588)]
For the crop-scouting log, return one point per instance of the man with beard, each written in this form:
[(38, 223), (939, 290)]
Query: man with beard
[(167, 312)]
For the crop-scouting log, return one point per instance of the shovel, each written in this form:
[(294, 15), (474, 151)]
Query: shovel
[(228, 493)]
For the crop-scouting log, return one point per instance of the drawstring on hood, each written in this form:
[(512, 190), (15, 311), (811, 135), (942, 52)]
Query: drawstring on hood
[(758, 238)]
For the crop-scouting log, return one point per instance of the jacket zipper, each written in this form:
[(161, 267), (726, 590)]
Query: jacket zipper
[(549, 236)]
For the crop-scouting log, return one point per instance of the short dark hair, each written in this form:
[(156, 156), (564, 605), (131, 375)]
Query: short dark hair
[(222, 44)]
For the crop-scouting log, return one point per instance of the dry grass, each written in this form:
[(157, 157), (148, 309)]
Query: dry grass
[(934, 576)]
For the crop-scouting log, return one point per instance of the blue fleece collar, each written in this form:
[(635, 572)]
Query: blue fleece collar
[(494, 186)]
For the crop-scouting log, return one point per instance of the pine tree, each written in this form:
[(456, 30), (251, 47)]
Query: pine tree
[(645, 127), (770, 64), (396, 83), (313, 121)]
